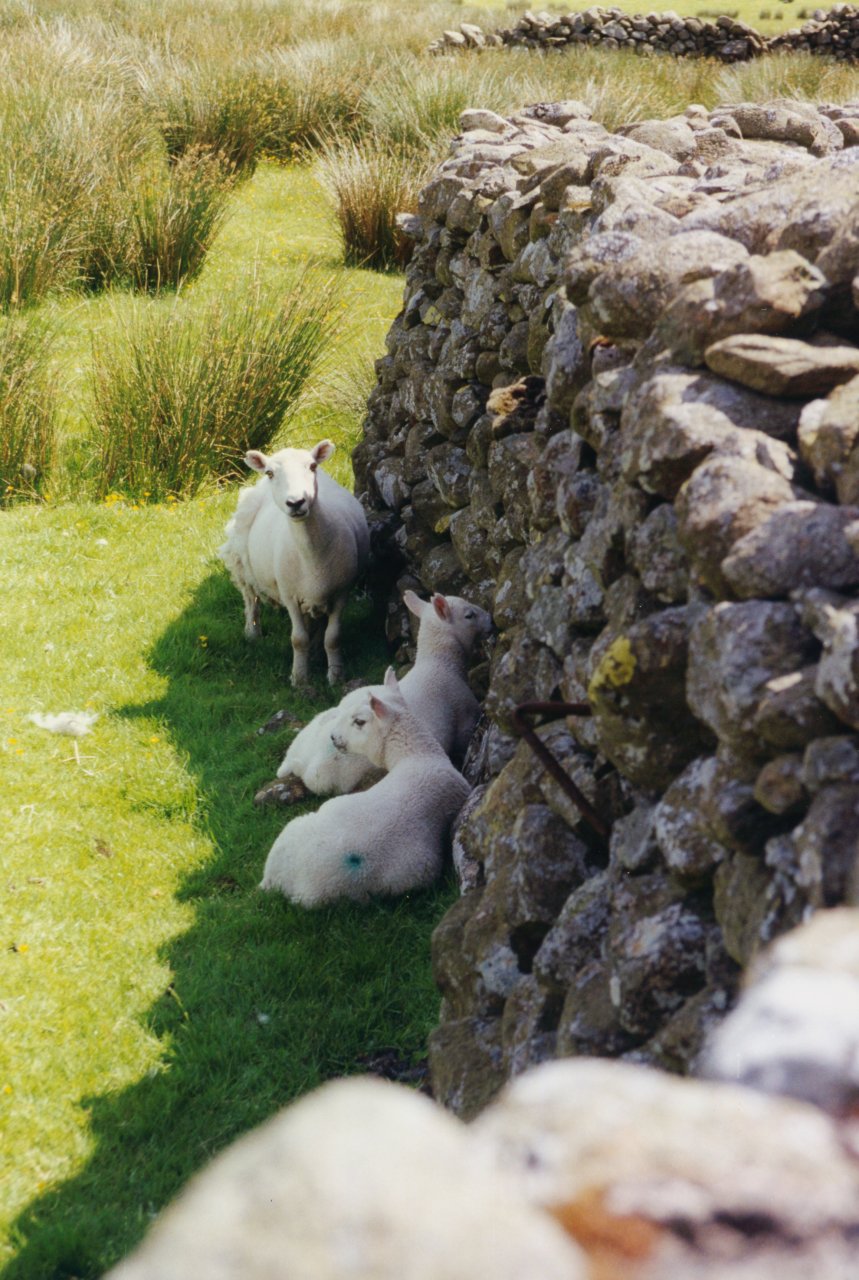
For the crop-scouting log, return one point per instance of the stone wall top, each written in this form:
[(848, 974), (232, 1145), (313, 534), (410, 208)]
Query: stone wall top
[(832, 32)]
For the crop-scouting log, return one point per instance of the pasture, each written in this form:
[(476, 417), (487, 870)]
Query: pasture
[(179, 162)]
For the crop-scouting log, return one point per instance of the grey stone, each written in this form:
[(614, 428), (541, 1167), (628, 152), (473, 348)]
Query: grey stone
[(627, 298), (790, 714), (782, 366), (656, 554), (779, 786), (676, 418), (734, 650), (741, 905), (725, 500), (683, 834), (828, 435), (837, 682), (466, 1064), (801, 544), (576, 935), (634, 846), (830, 760), (656, 945), (449, 470), (764, 294), (527, 1032)]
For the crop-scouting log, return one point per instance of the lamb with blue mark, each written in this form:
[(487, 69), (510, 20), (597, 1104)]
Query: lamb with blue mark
[(387, 839)]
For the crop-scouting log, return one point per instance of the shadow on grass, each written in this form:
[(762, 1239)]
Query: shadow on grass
[(267, 1000)]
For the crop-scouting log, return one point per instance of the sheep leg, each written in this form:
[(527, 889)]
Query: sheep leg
[(300, 645), (332, 642), (253, 630)]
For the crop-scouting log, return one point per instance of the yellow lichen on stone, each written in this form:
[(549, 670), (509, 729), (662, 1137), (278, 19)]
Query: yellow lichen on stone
[(616, 667)]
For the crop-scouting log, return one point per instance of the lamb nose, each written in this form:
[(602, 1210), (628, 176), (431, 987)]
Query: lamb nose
[(294, 503)]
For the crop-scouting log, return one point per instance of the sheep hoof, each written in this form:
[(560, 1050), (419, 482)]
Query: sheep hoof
[(282, 792)]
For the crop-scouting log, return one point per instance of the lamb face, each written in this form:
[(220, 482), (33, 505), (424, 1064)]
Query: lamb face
[(364, 730), (450, 616), (469, 622), (358, 731), (292, 473)]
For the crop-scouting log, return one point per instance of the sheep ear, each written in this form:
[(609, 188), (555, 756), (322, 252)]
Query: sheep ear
[(413, 603), (323, 450), (442, 608), (392, 684), (257, 461), (380, 709)]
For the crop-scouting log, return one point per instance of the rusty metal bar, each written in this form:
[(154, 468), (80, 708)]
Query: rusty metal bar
[(524, 728)]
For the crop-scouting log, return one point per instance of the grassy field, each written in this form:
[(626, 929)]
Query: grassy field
[(153, 1004)]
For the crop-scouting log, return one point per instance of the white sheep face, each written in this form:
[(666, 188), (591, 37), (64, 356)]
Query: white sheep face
[(468, 622), (292, 475), (364, 727)]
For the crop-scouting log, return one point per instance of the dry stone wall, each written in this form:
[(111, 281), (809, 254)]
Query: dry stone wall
[(620, 409), (831, 32)]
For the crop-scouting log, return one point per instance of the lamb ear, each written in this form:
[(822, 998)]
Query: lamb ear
[(392, 684), (323, 450), (413, 603), (442, 608), (257, 461), (380, 709)]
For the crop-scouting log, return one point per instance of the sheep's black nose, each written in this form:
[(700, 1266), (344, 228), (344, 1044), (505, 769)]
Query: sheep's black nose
[(294, 503)]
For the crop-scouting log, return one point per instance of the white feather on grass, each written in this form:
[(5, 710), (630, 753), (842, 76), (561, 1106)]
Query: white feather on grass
[(72, 723)]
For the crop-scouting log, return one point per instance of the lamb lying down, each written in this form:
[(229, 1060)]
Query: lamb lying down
[(382, 841), (436, 691)]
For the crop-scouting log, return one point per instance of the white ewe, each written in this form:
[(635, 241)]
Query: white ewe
[(385, 840), (436, 691), (299, 539)]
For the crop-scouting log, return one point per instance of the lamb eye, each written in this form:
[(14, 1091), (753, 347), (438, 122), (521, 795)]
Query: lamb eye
[(359, 724), (270, 475), (469, 613), (313, 466)]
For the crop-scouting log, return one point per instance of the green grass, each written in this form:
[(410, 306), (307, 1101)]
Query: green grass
[(153, 1003)]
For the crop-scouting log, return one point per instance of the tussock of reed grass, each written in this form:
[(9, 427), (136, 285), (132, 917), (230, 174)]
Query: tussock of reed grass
[(370, 182), (179, 397), (176, 215), (222, 114), (27, 409)]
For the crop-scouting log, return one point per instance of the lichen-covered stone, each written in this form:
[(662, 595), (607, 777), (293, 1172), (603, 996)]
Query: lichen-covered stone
[(638, 693), (466, 1064), (682, 831), (655, 951), (734, 649)]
